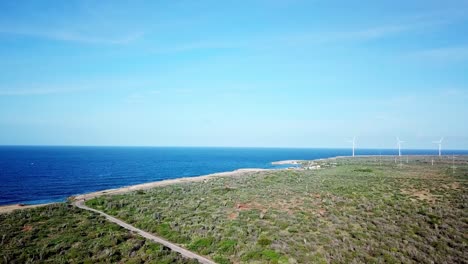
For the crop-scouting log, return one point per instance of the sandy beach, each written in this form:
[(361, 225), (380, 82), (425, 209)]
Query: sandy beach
[(286, 162), (12, 207)]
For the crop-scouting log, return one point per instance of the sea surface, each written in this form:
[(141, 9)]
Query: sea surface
[(33, 174)]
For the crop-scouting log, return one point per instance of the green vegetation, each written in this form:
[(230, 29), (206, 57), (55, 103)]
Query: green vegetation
[(65, 234), (363, 210)]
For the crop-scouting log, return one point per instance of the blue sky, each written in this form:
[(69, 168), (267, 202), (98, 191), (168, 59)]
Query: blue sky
[(278, 73)]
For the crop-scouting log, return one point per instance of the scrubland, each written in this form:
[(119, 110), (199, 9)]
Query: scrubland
[(362, 210), (62, 233)]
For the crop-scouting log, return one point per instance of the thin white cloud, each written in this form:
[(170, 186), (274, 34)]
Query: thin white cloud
[(73, 86), (307, 38), (183, 91), (37, 91), (135, 98), (458, 53), (70, 36), (375, 32), (454, 92), (200, 45), (317, 38), (369, 33), (155, 92), (139, 96)]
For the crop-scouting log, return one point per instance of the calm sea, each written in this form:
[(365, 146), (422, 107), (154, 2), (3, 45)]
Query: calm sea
[(48, 174)]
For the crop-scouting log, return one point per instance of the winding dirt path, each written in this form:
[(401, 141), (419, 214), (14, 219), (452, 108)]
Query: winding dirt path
[(184, 252)]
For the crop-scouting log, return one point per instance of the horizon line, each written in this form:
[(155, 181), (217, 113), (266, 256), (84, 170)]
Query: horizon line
[(258, 147)]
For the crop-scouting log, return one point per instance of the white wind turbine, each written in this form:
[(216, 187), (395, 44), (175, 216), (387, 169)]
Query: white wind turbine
[(440, 145), (399, 145), (354, 143)]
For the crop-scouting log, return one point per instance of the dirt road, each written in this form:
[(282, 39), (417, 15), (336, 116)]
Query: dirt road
[(184, 252)]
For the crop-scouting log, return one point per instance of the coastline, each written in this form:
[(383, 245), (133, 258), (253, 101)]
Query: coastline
[(143, 186), (150, 185), (12, 207), (286, 162)]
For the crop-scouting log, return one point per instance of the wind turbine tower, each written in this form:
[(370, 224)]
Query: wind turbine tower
[(399, 145), (354, 143), (440, 145)]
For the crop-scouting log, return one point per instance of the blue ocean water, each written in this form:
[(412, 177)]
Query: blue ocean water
[(31, 174)]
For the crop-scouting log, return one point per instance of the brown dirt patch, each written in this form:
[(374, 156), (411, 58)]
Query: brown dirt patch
[(245, 207), (233, 215), (27, 228), (453, 186), (420, 173), (242, 206), (308, 203), (250, 206), (288, 206), (322, 212), (424, 195)]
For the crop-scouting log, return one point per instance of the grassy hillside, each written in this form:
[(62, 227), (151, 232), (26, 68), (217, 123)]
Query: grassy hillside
[(359, 210), (64, 234)]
